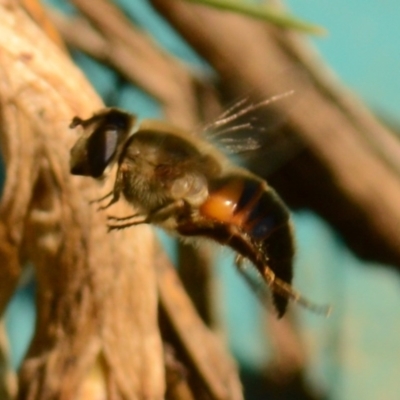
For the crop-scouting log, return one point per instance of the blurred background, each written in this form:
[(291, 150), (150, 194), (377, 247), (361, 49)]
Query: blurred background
[(353, 354)]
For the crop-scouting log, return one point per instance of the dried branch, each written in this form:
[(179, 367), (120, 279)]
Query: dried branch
[(39, 14), (97, 302), (205, 353), (289, 357), (176, 375), (382, 141), (97, 334), (8, 382), (341, 175), (131, 52), (265, 13), (196, 272)]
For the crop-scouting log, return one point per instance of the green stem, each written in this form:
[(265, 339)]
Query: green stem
[(264, 13)]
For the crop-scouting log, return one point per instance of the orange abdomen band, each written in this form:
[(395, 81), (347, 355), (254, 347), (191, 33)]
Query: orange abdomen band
[(222, 202)]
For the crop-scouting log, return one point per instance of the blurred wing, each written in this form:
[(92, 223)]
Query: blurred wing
[(255, 130), (259, 129)]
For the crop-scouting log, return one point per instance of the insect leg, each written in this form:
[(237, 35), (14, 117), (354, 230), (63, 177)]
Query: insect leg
[(127, 225), (114, 199), (257, 288), (112, 218), (239, 262), (283, 288), (115, 192), (99, 200), (277, 285), (157, 216), (163, 213)]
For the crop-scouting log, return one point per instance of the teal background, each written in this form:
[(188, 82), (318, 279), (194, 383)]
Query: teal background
[(355, 353)]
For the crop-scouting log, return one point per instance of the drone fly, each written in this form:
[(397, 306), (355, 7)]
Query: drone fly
[(185, 184)]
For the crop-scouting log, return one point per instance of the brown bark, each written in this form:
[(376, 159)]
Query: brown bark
[(195, 268), (117, 42), (39, 14), (97, 333), (97, 299), (205, 354)]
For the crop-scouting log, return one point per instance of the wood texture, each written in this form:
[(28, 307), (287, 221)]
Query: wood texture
[(97, 332), (96, 294)]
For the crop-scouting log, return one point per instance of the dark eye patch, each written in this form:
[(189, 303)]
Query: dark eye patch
[(101, 147)]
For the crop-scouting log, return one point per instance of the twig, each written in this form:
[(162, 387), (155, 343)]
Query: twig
[(96, 293), (120, 44), (97, 333), (265, 13), (38, 12), (216, 371), (196, 272), (382, 141), (8, 381)]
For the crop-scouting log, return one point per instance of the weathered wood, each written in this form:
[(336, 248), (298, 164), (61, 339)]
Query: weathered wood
[(206, 353), (96, 292), (119, 43)]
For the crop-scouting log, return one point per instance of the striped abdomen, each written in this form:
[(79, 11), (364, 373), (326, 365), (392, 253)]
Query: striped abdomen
[(257, 223)]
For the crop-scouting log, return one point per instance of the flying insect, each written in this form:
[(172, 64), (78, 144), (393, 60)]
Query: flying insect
[(185, 184)]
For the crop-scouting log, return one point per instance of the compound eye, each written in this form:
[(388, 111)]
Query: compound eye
[(110, 143), (91, 155), (101, 148), (102, 137)]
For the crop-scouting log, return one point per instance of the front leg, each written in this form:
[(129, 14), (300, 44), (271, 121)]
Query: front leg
[(157, 216), (119, 219), (119, 227), (115, 193), (113, 200), (102, 198)]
